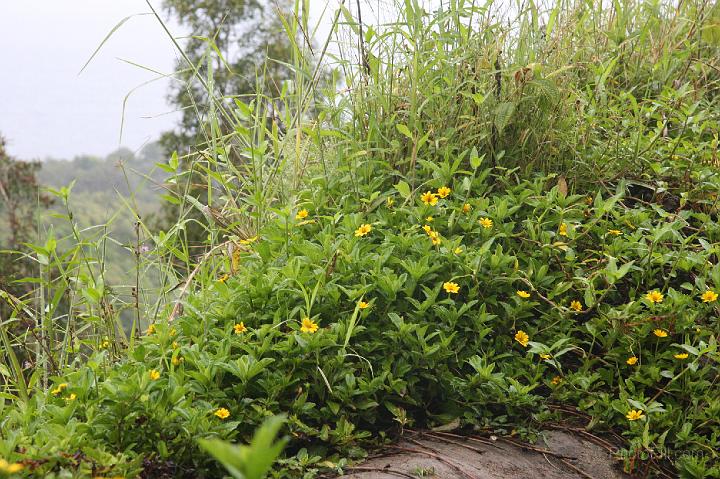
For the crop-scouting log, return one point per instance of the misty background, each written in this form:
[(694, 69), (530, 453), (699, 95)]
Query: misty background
[(49, 110)]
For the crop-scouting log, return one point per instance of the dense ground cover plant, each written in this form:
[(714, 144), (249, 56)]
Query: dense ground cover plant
[(475, 297), (491, 220)]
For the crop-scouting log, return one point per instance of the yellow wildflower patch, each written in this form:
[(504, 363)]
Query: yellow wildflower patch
[(486, 223), (60, 388), (429, 198), (654, 297), (660, 333), (363, 230), (10, 468), (522, 338), (443, 191), (451, 288), (634, 415), (435, 237), (222, 413), (308, 326), (709, 296)]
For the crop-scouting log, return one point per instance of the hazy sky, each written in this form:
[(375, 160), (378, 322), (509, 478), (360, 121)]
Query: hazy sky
[(48, 110)]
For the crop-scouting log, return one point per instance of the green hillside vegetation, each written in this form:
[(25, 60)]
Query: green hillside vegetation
[(107, 196), (504, 218)]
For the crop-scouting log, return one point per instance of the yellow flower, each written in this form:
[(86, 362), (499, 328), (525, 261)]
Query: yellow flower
[(451, 288), (224, 278), (244, 241), (10, 468), (308, 326), (175, 345), (154, 374), (545, 356), (71, 397), (660, 333), (466, 208), (429, 198), (222, 413), (522, 338), (363, 305), (427, 229), (486, 223), (390, 202), (654, 296), (302, 214), (556, 380), (363, 230), (562, 230), (681, 356), (429, 219), (576, 306), (632, 360), (709, 296), (435, 237), (615, 232), (151, 329), (458, 250), (523, 294), (176, 360), (105, 344), (240, 328), (634, 415), (60, 388), (443, 191)]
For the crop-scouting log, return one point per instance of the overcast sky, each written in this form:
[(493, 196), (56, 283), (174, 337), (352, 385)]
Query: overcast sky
[(48, 110)]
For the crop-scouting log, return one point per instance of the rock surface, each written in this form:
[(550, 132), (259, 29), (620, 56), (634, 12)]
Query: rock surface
[(558, 455)]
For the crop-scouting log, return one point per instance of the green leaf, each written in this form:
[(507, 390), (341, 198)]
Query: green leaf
[(403, 188), (404, 130), (503, 113), (254, 460)]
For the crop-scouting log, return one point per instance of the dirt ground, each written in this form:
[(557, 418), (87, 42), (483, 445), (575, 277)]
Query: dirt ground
[(558, 455)]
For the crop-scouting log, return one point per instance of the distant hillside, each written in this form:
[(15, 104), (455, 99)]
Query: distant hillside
[(106, 176), (103, 188)]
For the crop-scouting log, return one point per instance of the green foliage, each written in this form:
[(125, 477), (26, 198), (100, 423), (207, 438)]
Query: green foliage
[(114, 192), (494, 219), (417, 355), (254, 460), (225, 56)]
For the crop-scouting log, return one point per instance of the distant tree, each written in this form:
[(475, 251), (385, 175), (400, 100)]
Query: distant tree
[(252, 46), (246, 33)]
